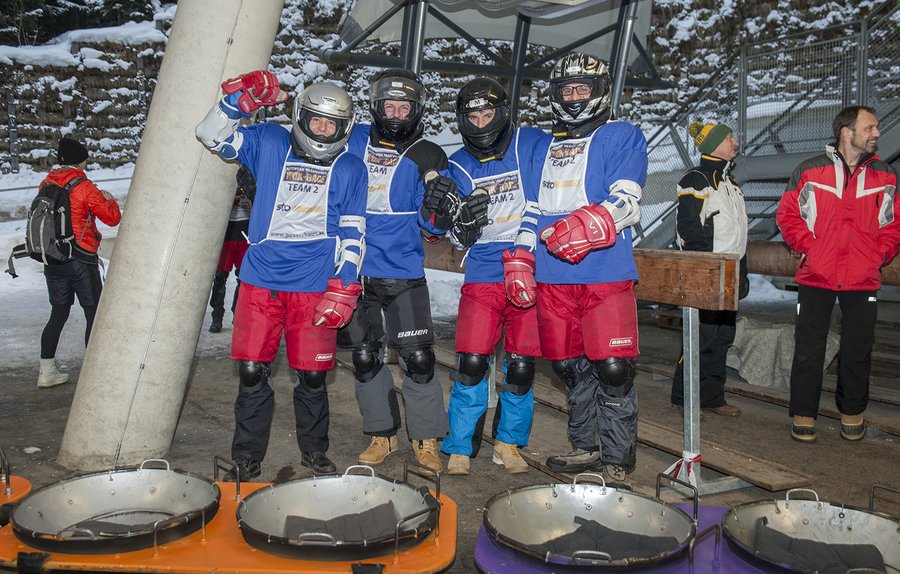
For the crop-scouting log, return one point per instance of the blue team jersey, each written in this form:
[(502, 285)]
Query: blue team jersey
[(395, 192), (300, 213), (506, 180), (577, 172)]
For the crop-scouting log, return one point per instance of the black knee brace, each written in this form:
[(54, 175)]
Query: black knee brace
[(367, 361), (419, 363), (519, 375), (252, 373), (312, 379), (471, 368), (616, 375), (572, 371)]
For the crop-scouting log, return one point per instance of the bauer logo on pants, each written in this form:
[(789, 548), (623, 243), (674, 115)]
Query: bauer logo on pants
[(324, 356), (620, 342), (416, 333)]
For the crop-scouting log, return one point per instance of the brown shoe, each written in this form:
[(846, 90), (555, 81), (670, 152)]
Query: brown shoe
[(803, 429), (508, 455), (458, 465), (852, 427), (426, 454), (379, 449), (725, 410)]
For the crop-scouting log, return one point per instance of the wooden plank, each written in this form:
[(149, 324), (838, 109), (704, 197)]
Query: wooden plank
[(753, 469), (765, 474), (881, 413), (687, 278), (775, 258)]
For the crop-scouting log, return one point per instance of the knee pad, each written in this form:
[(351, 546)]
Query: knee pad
[(367, 361), (616, 375), (471, 368), (252, 373), (419, 364), (572, 371), (312, 379), (519, 375)]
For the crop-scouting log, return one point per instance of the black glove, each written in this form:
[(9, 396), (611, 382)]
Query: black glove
[(473, 216), (441, 203)]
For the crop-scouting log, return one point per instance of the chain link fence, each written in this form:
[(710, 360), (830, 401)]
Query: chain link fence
[(779, 96)]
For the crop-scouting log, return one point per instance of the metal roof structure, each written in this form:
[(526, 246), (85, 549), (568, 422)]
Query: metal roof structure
[(593, 26)]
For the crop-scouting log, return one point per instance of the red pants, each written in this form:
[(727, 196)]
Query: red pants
[(232, 254), (262, 315), (483, 311), (598, 320)]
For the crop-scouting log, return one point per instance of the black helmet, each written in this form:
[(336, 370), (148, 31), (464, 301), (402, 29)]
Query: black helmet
[(484, 94), (585, 69), (396, 84)]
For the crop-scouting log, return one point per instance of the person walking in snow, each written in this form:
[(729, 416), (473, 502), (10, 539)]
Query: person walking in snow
[(81, 276)]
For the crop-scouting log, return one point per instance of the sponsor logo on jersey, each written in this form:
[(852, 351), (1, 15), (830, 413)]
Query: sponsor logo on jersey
[(566, 150), (324, 356), (620, 342), (414, 333), (503, 184), (305, 174), (387, 158)]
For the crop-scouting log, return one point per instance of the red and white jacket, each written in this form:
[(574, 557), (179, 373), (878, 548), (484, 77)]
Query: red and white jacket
[(844, 224)]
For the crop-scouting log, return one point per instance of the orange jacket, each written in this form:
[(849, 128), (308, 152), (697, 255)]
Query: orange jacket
[(87, 203)]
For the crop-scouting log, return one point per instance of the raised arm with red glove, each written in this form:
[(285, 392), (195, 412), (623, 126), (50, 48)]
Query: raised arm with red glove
[(337, 305), (518, 275), (584, 230), (258, 88), (243, 95)]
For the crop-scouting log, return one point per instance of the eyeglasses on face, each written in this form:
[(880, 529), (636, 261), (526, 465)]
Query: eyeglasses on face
[(579, 89)]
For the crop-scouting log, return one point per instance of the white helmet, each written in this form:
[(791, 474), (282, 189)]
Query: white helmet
[(327, 101), (583, 69)]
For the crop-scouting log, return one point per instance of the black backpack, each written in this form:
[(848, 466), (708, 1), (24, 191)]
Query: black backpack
[(49, 238)]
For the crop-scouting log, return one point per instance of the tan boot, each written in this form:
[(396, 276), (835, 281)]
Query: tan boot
[(852, 427), (49, 375), (458, 465), (426, 454), (379, 449), (508, 455), (804, 429)]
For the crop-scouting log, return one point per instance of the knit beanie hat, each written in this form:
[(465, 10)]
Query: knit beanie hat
[(707, 137), (71, 152)]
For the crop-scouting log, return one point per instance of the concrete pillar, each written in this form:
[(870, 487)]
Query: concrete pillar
[(136, 368)]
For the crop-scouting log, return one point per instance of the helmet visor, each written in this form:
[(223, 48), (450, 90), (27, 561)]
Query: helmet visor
[(323, 128), (579, 88)]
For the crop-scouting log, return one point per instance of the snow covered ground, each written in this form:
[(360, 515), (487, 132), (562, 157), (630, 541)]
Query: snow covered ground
[(25, 308)]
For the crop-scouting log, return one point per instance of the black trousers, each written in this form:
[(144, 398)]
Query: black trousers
[(65, 282), (717, 330), (859, 310)]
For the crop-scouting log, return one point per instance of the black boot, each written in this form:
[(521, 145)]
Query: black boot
[(318, 462), (217, 301)]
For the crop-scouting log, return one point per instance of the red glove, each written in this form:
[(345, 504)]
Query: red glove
[(584, 230), (518, 275), (337, 304), (260, 89)]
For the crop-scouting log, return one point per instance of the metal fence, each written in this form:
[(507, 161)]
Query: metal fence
[(780, 96)]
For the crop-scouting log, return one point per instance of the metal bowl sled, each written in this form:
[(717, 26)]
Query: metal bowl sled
[(339, 517), (810, 520), (534, 519), (115, 511)]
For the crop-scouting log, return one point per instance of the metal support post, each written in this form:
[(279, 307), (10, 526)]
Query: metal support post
[(520, 49), (862, 66), (690, 338), (13, 133), (742, 99), (415, 51), (679, 145), (621, 65)]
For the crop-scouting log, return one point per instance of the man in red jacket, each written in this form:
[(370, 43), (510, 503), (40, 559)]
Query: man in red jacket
[(840, 213), (80, 276)]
